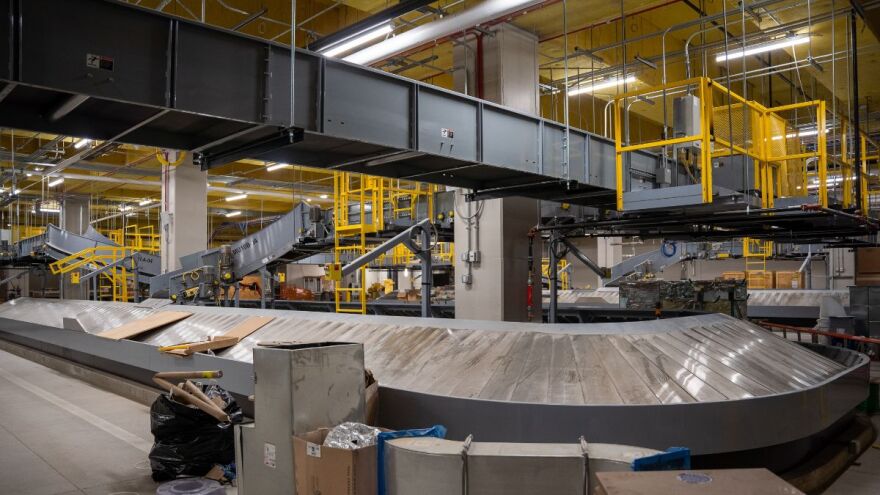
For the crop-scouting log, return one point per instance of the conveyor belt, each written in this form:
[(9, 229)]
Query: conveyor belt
[(57, 243), (346, 116), (711, 382)]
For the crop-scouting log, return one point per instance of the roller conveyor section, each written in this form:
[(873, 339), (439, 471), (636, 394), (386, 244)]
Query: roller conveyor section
[(709, 382)]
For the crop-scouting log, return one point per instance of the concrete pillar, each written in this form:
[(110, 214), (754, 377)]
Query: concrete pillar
[(184, 214), (494, 287), (75, 214), (74, 218)]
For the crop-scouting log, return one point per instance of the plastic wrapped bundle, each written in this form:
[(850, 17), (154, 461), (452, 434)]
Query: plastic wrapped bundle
[(351, 436)]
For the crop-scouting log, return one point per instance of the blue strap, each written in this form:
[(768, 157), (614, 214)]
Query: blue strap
[(438, 431), (674, 458)]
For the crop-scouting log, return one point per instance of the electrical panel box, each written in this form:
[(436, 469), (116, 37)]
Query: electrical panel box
[(686, 116), (334, 271)]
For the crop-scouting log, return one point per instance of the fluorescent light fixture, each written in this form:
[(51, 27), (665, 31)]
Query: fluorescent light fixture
[(233, 214), (50, 210), (132, 214), (309, 200), (775, 45), (357, 40), (800, 134), (125, 207), (236, 197), (145, 202), (28, 174), (323, 196), (605, 84), (57, 182), (277, 166), (82, 143), (16, 192)]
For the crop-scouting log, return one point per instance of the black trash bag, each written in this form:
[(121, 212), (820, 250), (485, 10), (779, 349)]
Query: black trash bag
[(189, 441)]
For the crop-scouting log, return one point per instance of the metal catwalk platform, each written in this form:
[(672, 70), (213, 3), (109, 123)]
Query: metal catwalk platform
[(711, 382)]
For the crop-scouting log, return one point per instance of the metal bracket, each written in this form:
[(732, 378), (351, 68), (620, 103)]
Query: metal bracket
[(207, 160)]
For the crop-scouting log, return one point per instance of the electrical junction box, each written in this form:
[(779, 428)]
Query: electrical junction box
[(334, 271), (470, 256), (686, 116)]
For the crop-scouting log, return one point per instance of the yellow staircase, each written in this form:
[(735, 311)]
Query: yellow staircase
[(351, 228), (756, 252), (115, 281), (561, 270)]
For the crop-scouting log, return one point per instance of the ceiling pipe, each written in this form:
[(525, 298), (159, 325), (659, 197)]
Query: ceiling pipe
[(375, 20), (157, 185), (461, 21)]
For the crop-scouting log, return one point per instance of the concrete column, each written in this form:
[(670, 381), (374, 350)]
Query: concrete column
[(74, 218), (494, 288), (498, 281), (184, 214), (75, 214)]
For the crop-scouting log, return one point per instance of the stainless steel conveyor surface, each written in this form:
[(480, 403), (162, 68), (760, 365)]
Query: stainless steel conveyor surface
[(709, 382), (682, 360)]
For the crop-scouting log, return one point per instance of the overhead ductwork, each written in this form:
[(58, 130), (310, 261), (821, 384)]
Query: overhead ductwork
[(480, 14)]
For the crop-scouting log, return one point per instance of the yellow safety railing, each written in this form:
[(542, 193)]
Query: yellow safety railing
[(118, 278), (357, 211), (755, 253), (735, 126), (362, 205), (562, 270), (142, 238)]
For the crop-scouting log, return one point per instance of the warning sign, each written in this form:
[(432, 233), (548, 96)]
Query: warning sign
[(99, 62)]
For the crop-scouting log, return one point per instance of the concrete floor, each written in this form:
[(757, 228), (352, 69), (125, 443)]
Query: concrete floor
[(62, 436), (864, 476)]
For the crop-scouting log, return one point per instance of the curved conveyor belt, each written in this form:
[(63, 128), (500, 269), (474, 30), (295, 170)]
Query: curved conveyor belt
[(708, 382)]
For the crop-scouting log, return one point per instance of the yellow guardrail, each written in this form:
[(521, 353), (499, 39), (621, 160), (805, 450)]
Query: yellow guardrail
[(737, 127)]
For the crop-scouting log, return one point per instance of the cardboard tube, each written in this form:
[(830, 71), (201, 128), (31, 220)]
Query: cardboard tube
[(193, 389), (206, 407), (186, 375)]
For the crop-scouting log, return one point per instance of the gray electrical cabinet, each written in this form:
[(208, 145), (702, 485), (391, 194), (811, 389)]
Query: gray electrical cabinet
[(864, 306), (686, 116)]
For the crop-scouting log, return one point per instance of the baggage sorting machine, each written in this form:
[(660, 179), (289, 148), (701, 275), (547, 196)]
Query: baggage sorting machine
[(300, 388), (733, 393)]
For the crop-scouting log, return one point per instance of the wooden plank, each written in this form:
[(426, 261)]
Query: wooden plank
[(247, 327), (228, 339), (194, 347), (142, 325)]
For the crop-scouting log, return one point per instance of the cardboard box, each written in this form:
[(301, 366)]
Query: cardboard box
[(709, 482), (789, 280), (759, 279), (330, 471), (733, 276)]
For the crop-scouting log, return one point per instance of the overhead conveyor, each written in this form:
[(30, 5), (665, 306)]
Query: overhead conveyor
[(226, 96)]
